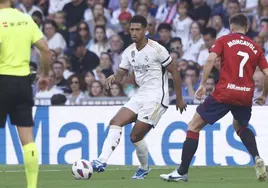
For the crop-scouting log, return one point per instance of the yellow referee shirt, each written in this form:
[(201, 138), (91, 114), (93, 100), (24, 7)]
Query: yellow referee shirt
[(18, 32)]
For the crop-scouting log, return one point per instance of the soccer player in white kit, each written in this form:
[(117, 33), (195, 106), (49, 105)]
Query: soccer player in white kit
[(150, 62)]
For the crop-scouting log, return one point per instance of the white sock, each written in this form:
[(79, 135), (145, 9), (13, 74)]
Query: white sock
[(142, 153), (111, 142)]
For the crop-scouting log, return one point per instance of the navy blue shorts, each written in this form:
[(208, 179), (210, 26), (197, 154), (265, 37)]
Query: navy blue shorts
[(211, 111)]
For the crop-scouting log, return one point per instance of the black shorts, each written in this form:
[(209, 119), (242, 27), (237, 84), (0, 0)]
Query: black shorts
[(211, 111), (16, 100)]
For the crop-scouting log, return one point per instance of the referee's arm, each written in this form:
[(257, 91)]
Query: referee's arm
[(45, 56)]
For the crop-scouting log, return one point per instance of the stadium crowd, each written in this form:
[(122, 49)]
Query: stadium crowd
[(87, 38)]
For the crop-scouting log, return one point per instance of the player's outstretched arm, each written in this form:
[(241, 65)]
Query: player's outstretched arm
[(45, 56), (117, 77), (177, 84)]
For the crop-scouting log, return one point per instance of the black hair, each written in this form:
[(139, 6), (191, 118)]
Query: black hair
[(37, 14), (234, 2), (239, 20), (176, 39), (164, 26), (197, 72), (139, 19), (210, 31)]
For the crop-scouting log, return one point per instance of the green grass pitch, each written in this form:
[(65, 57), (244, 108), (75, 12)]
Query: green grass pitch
[(59, 176)]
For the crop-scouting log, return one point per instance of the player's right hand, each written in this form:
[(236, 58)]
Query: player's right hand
[(109, 81), (43, 83), (260, 100), (200, 92)]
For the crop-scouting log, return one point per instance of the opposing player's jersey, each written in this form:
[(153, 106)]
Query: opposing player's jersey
[(149, 66), (239, 58)]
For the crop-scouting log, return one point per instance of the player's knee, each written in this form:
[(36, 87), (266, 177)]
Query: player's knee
[(194, 127), (135, 138)]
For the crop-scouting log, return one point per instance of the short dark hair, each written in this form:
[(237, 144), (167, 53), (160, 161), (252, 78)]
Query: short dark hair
[(194, 68), (210, 31), (239, 20), (37, 14), (234, 2), (164, 26), (264, 20), (176, 39), (57, 62), (139, 19)]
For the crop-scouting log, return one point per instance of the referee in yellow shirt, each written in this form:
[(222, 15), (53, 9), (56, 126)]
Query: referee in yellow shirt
[(17, 33)]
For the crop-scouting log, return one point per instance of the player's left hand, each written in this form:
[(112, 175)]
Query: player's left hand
[(260, 100), (180, 104), (200, 92)]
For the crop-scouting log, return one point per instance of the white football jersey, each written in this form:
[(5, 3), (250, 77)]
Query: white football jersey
[(149, 66)]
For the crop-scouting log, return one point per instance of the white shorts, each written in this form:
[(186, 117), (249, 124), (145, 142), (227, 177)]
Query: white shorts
[(148, 111)]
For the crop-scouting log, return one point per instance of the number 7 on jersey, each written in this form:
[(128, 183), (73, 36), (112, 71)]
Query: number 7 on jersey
[(242, 63)]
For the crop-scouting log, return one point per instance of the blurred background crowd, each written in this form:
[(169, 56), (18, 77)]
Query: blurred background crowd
[(87, 38)]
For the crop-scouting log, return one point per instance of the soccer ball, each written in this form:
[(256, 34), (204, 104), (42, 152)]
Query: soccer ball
[(82, 169)]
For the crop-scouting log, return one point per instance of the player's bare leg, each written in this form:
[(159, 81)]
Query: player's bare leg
[(123, 117), (30, 155), (248, 139), (189, 148), (138, 133)]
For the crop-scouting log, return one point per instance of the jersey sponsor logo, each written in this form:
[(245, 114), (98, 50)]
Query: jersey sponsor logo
[(141, 68), (238, 88), (146, 58), (242, 42)]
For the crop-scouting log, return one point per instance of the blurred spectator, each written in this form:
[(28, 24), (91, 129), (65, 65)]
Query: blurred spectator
[(191, 82), (260, 41), (96, 89), (181, 23), (89, 78), (60, 19), (123, 8), (58, 99), (84, 34), (58, 69), (258, 78), (55, 40), (174, 56), (210, 85), (182, 65), (75, 85), (106, 62), (166, 12), (164, 31), (67, 66), (43, 96), (195, 42), (217, 24), (151, 27), (110, 29), (88, 15), (83, 59), (209, 36), (74, 13), (56, 5), (28, 7), (54, 56), (151, 6), (100, 43), (124, 19), (38, 18), (233, 7), (116, 90), (218, 7), (264, 32), (116, 50), (176, 45), (88, 12), (200, 12), (143, 10)]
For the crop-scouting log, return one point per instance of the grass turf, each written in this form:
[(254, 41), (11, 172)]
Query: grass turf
[(59, 176)]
